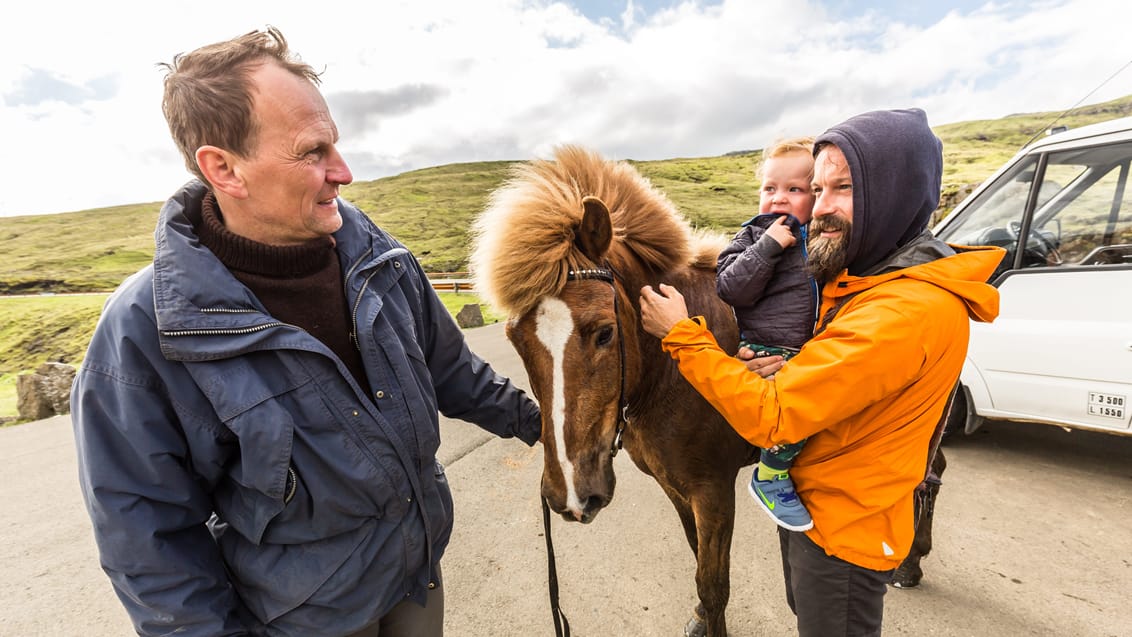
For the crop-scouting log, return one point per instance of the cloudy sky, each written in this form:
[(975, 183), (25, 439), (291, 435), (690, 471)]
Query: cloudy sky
[(428, 82)]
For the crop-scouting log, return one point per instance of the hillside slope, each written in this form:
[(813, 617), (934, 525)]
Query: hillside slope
[(430, 210)]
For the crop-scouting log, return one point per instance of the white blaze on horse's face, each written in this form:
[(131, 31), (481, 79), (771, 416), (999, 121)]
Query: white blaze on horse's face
[(553, 325)]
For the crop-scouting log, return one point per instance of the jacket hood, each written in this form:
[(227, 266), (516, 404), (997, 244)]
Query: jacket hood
[(963, 273), (896, 163)]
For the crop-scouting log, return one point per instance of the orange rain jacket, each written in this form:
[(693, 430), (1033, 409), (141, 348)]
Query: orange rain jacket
[(867, 392)]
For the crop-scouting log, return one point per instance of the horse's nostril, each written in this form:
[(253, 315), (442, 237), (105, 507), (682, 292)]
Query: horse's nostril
[(594, 503)]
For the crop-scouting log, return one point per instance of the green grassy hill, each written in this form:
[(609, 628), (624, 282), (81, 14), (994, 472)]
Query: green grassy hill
[(430, 210)]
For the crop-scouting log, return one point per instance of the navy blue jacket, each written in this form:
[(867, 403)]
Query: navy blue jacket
[(769, 287), (239, 479)]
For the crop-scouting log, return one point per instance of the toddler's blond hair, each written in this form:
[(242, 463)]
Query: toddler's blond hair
[(787, 146)]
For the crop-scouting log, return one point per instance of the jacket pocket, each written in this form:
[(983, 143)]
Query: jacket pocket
[(262, 480), (440, 508), (273, 579)]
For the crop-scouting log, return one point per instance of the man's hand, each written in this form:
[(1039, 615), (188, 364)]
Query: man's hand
[(764, 366), (660, 311)]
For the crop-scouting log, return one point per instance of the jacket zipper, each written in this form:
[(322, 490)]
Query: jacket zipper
[(218, 332), (815, 290), (230, 331), (354, 337), (357, 302), (354, 310)]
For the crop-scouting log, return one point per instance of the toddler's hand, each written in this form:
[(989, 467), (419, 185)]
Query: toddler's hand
[(781, 232)]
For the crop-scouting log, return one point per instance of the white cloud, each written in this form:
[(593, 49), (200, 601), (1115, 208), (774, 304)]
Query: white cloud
[(416, 84)]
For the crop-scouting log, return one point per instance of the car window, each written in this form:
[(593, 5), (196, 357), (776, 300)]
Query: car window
[(995, 218), (1095, 225), (1083, 211)]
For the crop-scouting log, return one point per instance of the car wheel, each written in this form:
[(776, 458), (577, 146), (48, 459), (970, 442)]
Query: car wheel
[(957, 419)]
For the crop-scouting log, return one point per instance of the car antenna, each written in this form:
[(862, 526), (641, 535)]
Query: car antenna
[(1071, 108)]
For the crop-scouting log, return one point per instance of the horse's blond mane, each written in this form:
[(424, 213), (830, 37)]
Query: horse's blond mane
[(524, 240)]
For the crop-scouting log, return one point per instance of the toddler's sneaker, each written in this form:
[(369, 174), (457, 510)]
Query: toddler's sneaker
[(778, 498)]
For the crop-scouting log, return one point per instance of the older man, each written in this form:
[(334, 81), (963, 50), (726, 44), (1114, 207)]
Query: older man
[(256, 417)]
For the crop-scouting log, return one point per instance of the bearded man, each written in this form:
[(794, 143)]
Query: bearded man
[(869, 388)]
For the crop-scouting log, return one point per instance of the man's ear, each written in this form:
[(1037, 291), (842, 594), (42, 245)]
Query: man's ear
[(220, 169)]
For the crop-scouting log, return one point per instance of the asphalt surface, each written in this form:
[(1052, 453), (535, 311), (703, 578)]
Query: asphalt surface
[(1032, 538)]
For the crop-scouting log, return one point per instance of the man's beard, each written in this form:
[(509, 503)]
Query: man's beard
[(828, 257)]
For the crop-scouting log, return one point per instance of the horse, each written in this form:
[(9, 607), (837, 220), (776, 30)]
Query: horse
[(562, 250)]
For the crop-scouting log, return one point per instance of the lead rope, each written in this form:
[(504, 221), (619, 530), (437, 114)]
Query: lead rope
[(561, 625)]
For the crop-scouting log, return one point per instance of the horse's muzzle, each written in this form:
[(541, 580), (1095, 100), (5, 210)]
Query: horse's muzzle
[(590, 507)]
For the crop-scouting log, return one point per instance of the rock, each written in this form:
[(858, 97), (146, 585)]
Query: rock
[(470, 316), (45, 393), (32, 402)]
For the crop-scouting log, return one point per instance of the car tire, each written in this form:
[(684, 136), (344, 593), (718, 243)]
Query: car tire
[(957, 419)]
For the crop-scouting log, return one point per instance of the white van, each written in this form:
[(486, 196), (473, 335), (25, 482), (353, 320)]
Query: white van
[(1060, 351)]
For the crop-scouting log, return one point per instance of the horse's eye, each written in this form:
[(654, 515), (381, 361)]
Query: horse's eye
[(604, 336)]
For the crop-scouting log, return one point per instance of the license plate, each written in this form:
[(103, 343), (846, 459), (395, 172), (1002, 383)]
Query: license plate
[(1110, 405)]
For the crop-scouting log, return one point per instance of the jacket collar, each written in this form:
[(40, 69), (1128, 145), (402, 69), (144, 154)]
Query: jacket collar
[(961, 270), (196, 296), (922, 249)]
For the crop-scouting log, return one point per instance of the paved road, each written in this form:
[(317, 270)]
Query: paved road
[(1033, 537)]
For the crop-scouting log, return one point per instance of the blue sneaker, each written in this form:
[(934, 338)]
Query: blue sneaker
[(778, 498)]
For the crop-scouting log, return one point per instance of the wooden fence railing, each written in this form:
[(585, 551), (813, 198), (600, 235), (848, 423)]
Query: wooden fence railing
[(450, 282)]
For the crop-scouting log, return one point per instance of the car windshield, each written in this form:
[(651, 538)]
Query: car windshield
[(1082, 210)]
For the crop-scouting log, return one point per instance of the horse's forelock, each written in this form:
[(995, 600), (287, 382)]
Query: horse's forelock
[(524, 240)]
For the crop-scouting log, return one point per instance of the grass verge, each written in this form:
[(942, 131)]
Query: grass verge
[(37, 329)]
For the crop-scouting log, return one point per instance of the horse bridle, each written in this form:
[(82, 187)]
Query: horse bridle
[(607, 274), (561, 625)]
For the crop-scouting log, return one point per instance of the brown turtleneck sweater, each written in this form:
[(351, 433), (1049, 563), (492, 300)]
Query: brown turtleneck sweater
[(300, 285)]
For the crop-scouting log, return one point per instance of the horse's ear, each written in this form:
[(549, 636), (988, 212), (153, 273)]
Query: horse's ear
[(596, 232)]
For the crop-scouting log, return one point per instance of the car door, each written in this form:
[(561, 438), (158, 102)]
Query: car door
[(1060, 351)]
